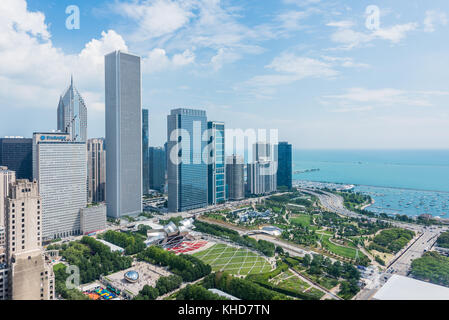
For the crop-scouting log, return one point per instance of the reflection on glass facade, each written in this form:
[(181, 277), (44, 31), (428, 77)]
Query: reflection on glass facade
[(284, 172), (15, 153), (216, 166), (145, 155), (72, 114), (157, 168), (187, 180)]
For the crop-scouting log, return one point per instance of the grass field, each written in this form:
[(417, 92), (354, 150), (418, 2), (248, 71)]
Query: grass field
[(287, 280), (340, 250), (233, 260), (301, 219)]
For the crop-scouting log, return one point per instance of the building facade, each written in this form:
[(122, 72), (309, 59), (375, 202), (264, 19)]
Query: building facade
[(30, 277), (158, 168), (123, 134), (186, 170), (16, 154), (93, 218), (96, 170), (59, 165), (284, 171), (216, 177), (6, 177), (235, 177), (4, 271), (261, 177), (145, 155), (72, 114)]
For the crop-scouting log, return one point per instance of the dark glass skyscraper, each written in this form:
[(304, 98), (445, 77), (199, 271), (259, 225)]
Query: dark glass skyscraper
[(187, 172), (284, 170), (16, 154), (157, 168), (216, 168), (145, 156)]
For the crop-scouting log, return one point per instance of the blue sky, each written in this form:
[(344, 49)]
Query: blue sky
[(311, 69)]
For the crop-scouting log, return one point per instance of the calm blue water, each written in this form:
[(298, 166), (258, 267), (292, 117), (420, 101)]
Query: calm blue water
[(407, 182)]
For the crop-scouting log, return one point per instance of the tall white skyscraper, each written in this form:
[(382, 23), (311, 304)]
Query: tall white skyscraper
[(72, 114), (60, 167), (123, 134)]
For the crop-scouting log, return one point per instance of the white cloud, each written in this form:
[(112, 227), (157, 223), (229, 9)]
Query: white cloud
[(222, 57), (155, 18), (395, 33), (434, 18), (302, 67), (341, 24), (158, 60), (350, 38), (386, 97)]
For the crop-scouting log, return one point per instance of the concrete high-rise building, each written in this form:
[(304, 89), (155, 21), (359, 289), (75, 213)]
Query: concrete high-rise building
[(158, 168), (261, 177), (187, 172), (96, 170), (16, 154), (216, 177), (59, 165), (262, 151), (235, 177), (72, 114), (284, 170), (123, 134), (30, 277), (145, 155), (6, 177)]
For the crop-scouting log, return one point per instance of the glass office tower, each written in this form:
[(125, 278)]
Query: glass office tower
[(72, 114), (123, 134), (284, 172), (187, 172), (145, 155), (216, 167), (157, 168), (16, 154)]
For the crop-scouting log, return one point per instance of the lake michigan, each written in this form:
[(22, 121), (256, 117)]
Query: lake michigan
[(410, 182)]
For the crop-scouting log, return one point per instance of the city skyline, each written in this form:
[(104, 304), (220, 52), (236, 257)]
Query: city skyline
[(319, 75)]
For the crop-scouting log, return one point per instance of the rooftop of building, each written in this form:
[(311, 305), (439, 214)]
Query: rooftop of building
[(405, 288)]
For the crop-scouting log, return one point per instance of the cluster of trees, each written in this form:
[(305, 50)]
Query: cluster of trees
[(60, 285), (187, 267), (132, 243), (168, 284), (163, 285), (93, 258), (265, 247), (241, 288), (432, 267), (197, 292), (147, 293), (354, 199), (175, 220), (325, 272), (443, 240), (301, 235), (391, 240)]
